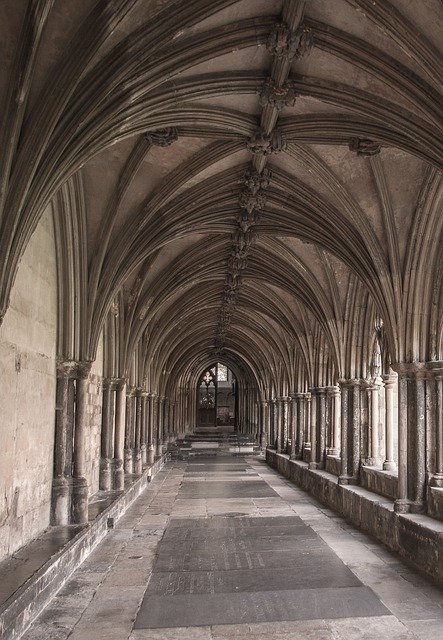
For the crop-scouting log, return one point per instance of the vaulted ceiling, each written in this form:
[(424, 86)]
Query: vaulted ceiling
[(246, 173)]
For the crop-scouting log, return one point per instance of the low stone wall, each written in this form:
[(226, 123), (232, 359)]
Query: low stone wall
[(18, 613), (379, 481), (417, 538)]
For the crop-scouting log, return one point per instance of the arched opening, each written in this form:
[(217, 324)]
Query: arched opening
[(217, 399)]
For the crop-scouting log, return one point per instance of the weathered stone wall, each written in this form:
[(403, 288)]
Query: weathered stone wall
[(27, 393), (95, 399), (417, 538)]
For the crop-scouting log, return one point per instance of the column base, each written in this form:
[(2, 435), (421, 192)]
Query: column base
[(158, 449), (402, 506), (60, 499), (129, 462), (118, 475), (345, 479), (436, 480), (332, 451), (313, 465), (137, 465), (389, 465), (150, 454), (79, 501), (105, 474), (292, 456)]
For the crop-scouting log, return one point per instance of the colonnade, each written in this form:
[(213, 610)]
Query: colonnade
[(344, 427), (136, 427)]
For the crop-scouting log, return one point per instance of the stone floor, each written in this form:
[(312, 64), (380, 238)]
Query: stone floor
[(224, 547)]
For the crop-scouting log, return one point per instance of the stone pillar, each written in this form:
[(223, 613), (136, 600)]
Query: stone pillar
[(411, 437), (272, 430), (79, 501), (437, 371), (354, 412), (294, 427), (105, 480), (278, 423), (389, 382), (300, 399), (159, 440), (129, 433), (374, 410), (321, 426), (137, 452), (313, 430), (144, 429), (119, 435), (334, 420), (344, 475), (285, 422), (264, 428), (150, 450), (64, 417), (307, 426)]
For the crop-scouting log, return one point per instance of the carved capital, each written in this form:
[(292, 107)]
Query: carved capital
[(277, 96), (162, 137), (73, 368), (364, 147), (284, 43)]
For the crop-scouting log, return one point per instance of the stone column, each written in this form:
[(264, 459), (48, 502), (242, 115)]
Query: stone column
[(344, 475), (313, 430), (437, 477), (300, 399), (64, 417), (285, 422), (389, 382), (105, 482), (137, 452), (79, 502), (129, 433), (307, 426), (150, 450), (272, 430), (144, 430), (263, 429), (294, 427), (119, 434), (159, 440), (278, 422), (334, 394), (411, 437), (354, 431), (374, 409), (321, 426)]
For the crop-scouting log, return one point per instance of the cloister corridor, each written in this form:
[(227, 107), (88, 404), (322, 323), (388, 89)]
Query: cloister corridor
[(221, 319), (223, 547)]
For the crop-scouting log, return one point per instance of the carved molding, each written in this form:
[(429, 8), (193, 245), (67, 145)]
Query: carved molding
[(162, 137), (263, 144), (284, 43), (277, 96), (364, 147)]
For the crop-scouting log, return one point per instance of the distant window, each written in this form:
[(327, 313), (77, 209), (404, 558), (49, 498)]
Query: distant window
[(222, 373)]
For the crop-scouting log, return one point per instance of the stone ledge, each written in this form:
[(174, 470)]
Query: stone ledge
[(417, 538), (21, 609), (379, 481)]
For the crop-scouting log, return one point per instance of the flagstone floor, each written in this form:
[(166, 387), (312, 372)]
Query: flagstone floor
[(224, 547)]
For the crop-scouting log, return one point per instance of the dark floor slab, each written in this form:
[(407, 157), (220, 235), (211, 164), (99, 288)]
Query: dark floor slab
[(254, 607), (243, 522), (219, 468), (250, 580), (227, 533), (308, 543), (225, 490), (295, 559)]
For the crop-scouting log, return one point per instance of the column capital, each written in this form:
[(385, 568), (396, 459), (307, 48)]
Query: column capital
[(411, 370), (333, 391), (389, 380), (73, 368)]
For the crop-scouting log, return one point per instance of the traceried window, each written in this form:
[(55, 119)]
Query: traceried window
[(222, 373)]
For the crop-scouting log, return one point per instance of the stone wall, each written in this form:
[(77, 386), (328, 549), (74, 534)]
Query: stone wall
[(27, 393), (95, 400), (417, 538)]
